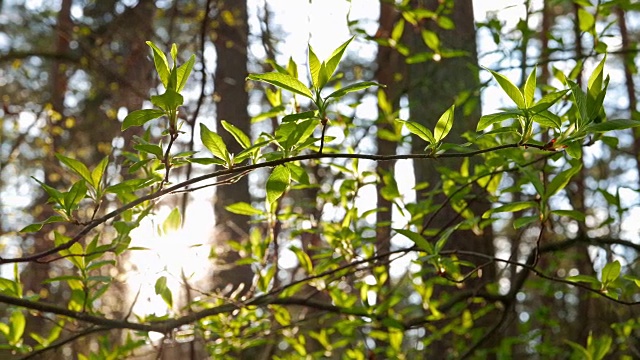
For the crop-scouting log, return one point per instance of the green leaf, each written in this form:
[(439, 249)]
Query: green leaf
[(314, 68), (548, 100), (397, 31), (17, 324), (55, 195), (37, 226), (510, 89), (530, 88), (76, 166), (618, 124), (584, 278), (580, 100), (278, 183), (298, 173), (174, 53), (164, 291), (303, 258), (237, 134), (444, 124), (323, 77), (594, 85), (431, 39), (418, 239), (98, 172), (291, 134), (292, 68), (168, 101), (73, 197), (419, 130), (299, 116), (524, 221), (562, 179), (352, 88), (548, 119), (173, 222), (140, 117), (512, 207), (184, 71), (334, 59), (284, 81), (214, 143), (161, 63), (243, 208), (488, 120), (586, 20), (611, 272), (153, 149)]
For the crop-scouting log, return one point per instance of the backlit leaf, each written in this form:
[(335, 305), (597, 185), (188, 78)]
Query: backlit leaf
[(284, 81)]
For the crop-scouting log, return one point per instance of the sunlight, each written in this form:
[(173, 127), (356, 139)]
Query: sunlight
[(185, 251)]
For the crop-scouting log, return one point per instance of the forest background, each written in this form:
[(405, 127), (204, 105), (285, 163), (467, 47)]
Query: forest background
[(429, 178)]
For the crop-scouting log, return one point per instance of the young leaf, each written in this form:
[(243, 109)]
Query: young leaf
[(174, 53), (417, 239), (353, 87), (303, 259), (561, 180), (161, 63), (284, 81), (17, 324), (488, 120), (172, 222), (277, 183), (314, 68), (431, 39), (524, 221), (548, 100), (76, 166), (611, 272), (214, 143), (168, 101), (419, 130), (98, 172), (184, 71), (548, 119), (164, 291), (292, 68), (444, 124), (335, 58), (586, 20), (140, 117), (510, 89), (299, 116), (243, 208), (512, 207), (153, 149), (323, 77), (530, 88), (237, 134), (37, 226), (619, 124), (581, 102), (73, 197)]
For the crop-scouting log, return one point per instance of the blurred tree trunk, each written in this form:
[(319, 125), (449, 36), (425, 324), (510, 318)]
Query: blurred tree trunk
[(231, 38), (35, 273), (435, 86), (390, 72)]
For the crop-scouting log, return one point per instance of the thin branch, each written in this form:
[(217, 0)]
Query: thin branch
[(316, 156), (63, 342)]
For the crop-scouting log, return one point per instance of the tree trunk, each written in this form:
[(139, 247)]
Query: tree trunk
[(435, 86)]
